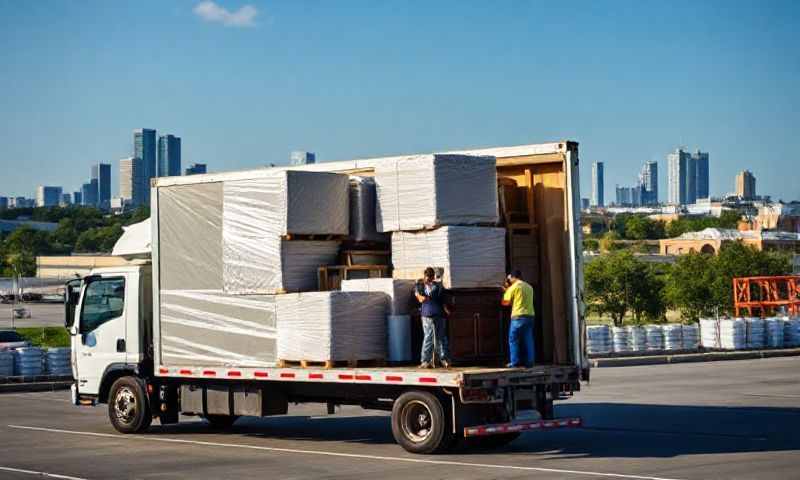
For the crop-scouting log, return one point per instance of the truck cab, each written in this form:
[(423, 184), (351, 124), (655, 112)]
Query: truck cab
[(110, 328)]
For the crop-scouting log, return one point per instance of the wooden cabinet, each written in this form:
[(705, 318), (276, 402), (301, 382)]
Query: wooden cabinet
[(477, 327)]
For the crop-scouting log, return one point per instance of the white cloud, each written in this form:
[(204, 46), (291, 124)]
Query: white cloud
[(211, 12)]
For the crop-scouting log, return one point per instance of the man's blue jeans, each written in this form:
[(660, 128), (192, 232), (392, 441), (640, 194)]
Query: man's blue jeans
[(520, 341), (434, 327)]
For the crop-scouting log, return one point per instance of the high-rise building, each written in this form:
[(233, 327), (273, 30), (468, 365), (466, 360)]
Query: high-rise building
[(195, 169), (66, 199), (169, 156), (132, 182), (746, 185), (701, 169), (584, 204), (302, 158), (102, 173), (144, 147), (597, 184), (648, 181), (77, 198), (3, 203), (48, 196), (681, 178), (623, 196), (89, 193)]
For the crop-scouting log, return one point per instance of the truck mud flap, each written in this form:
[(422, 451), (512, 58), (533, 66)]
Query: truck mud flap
[(521, 426)]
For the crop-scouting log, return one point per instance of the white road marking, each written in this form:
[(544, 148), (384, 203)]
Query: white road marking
[(152, 438), (40, 474)]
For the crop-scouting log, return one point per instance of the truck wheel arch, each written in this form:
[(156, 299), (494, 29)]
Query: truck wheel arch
[(111, 374)]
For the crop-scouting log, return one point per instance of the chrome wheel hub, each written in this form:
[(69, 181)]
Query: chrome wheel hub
[(125, 405), (416, 421)]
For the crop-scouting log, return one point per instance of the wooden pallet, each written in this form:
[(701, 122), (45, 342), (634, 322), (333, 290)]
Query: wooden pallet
[(295, 236), (366, 257), (330, 363)]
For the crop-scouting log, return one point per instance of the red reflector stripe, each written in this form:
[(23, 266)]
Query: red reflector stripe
[(163, 370), (185, 372), (314, 375), (427, 379), (345, 377), (261, 374), (234, 373), (287, 375), (393, 378), (363, 377), (210, 373)]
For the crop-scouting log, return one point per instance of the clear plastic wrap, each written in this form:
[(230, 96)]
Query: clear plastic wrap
[(215, 329), (399, 292), (471, 257), (332, 326), (426, 191), (363, 206)]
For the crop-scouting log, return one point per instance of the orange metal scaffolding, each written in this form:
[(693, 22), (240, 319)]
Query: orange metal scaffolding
[(763, 296)]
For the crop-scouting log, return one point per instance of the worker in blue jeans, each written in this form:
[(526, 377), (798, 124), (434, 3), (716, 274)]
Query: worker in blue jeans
[(430, 294), (519, 296)]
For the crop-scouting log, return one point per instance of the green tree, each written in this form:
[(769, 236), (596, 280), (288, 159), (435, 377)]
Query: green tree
[(98, 240), (738, 260), (609, 241), (618, 283), (689, 285)]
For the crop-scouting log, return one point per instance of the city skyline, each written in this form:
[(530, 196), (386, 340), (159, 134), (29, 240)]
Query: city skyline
[(619, 84)]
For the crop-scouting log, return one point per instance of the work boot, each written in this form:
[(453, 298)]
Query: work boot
[(425, 365), (445, 363)]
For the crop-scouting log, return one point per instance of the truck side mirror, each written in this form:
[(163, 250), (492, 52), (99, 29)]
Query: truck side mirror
[(72, 295)]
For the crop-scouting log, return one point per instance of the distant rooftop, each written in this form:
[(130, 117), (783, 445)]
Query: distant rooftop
[(732, 234)]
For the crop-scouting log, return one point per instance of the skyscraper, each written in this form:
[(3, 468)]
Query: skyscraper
[(48, 196), (66, 199), (144, 147), (648, 181), (681, 178), (77, 198), (132, 183), (195, 169), (102, 174), (746, 185), (3, 203), (701, 168), (597, 184), (302, 158), (623, 196), (169, 156)]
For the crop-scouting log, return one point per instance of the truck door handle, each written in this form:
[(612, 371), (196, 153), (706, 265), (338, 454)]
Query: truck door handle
[(120, 345), (87, 354)]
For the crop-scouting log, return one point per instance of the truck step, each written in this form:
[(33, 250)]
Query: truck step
[(282, 363)]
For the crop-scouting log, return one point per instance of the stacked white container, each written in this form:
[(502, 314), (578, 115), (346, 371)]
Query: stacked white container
[(756, 336), (6, 363), (791, 332), (598, 339), (709, 333), (732, 334), (621, 339), (637, 338), (28, 361), (57, 361), (691, 336), (655, 337), (774, 332), (673, 336)]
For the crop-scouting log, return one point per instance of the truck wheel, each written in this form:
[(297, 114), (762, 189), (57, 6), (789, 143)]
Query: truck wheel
[(127, 406), (221, 421), (419, 424)]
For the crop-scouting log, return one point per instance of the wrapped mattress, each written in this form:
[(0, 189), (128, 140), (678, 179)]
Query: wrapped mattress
[(363, 203), (470, 257), (399, 293), (210, 328), (275, 265), (287, 202), (332, 326), (426, 191)]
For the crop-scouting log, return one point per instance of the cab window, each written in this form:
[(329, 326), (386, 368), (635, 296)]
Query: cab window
[(104, 300)]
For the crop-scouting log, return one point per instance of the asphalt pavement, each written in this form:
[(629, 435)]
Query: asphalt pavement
[(42, 315), (726, 420)]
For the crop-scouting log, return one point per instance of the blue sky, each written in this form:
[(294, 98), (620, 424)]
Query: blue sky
[(629, 80)]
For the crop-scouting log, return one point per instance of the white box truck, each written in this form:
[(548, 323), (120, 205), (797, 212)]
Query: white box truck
[(128, 352)]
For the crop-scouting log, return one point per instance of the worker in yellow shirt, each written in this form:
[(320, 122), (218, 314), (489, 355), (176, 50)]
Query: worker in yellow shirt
[(519, 296)]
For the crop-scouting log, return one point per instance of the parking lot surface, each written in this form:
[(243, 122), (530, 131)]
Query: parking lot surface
[(731, 420)]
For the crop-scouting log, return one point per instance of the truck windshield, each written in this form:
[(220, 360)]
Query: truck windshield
[(103, 300)]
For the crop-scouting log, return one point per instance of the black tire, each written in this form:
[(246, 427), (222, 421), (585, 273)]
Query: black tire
[(221, 421), (419, 423), (128, 407)]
